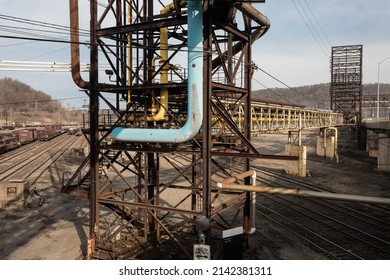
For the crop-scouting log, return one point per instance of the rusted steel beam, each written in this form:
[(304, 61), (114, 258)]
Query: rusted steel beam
[(250, 155), (221, 112), (147, 206), (147, 25)]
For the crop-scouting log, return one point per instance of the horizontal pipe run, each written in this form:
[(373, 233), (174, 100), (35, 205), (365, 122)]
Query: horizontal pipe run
[(305, 193), (250, 173)]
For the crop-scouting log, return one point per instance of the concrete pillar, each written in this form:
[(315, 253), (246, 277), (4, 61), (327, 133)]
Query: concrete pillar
[(328, 150), (13, 192), (383, 152), (372, 144), (296, 168)]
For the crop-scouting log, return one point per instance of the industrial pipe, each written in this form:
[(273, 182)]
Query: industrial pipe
[(195, 91), (230, 180), (74, 46), (335, 144), (162, 112), (160, 115), (304, 193), (264, 24), (248, 10), (253, 205)]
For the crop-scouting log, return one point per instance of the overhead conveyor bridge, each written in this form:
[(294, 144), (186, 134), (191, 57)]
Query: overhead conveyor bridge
[(268, 115)]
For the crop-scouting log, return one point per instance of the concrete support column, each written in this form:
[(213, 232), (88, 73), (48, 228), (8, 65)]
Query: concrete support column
[(296, 168), (327, 144), (372, 144), (14, 193), (383, 152)]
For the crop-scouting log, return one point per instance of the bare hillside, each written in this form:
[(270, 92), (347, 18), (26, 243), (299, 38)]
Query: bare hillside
[(313, 96), (20, 103)]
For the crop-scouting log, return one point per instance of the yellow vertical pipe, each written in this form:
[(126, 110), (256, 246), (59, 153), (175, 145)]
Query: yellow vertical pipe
[(160, 115), (129, 54)]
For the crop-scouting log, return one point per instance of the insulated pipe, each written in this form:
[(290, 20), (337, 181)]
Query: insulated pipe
[(304, 193), (195, 91)]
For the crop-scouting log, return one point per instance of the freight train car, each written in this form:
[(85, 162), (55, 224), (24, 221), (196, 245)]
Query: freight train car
[(27, 135), (9, 141), (3, 146), (50, 131), (17, 138)]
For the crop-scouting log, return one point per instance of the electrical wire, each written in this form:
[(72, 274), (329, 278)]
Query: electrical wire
[(314, 27), (40, 101), (41, 23), (271, 90), (308, 27), (276, 79), (319, 25)]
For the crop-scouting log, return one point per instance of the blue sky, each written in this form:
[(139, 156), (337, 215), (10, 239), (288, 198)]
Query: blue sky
[(288, 51)]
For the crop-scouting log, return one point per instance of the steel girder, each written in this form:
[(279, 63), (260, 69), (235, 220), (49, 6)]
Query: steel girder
[(144, 197)]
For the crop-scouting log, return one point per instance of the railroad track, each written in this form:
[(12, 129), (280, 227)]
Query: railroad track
[(9, 155), (334, 229), (338, 230), (31, 163)]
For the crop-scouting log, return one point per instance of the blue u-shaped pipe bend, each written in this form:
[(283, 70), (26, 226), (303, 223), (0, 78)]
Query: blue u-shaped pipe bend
[(195, 91)]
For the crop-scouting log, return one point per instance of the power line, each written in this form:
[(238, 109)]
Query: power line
[(40, 101), (271, 90), (313, 26), (42, 31), (40, 23), (319, 25), (276, 79), (308, 27)]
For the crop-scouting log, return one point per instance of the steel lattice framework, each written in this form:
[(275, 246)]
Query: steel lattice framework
[(147, 195), (346, 81)]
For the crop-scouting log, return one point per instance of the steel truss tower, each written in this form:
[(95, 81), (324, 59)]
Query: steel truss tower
[(346, 82), (151, 198)]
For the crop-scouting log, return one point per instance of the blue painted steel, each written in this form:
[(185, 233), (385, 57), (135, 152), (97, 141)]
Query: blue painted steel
[(195, 91)]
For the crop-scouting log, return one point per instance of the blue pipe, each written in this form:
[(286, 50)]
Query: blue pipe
[(195, 91)]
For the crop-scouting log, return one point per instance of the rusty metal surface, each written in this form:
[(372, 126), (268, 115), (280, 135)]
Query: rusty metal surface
[(149, 193), (346, 81)]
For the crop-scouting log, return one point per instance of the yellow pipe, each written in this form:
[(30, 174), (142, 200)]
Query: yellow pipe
[(160, 115), (336, 155), (153, 108), (130, 53)]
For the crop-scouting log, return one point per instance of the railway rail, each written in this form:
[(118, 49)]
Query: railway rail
[(31, 161), (333, 229), (339, 230)]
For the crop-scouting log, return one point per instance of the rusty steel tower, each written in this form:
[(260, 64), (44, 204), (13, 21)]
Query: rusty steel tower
[(346, 82), (161, 126)]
